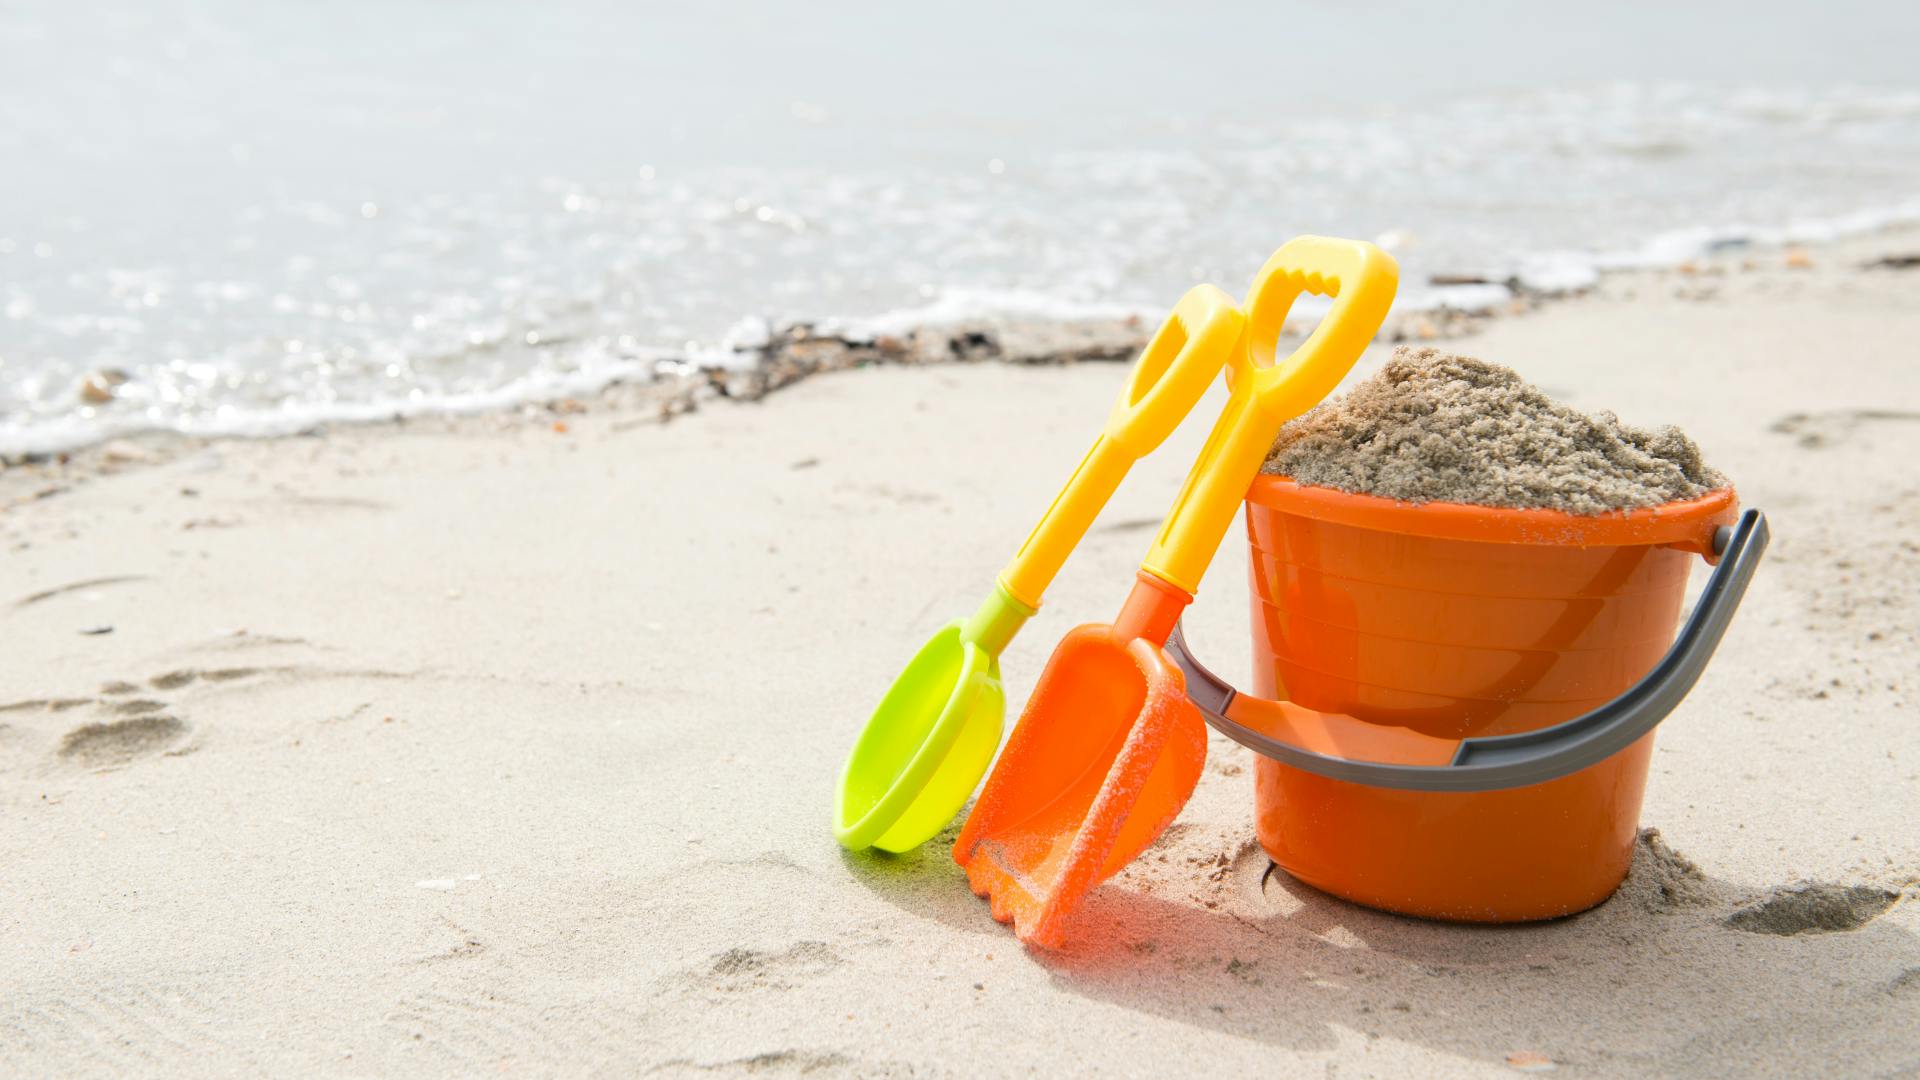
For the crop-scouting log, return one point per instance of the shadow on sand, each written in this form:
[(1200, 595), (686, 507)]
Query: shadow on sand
[(1661, 978)]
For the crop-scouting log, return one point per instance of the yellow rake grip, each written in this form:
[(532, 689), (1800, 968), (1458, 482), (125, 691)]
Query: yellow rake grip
[(1196, 340), (1361, 279)]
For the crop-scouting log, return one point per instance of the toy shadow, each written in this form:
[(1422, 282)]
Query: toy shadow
[(925, 882), (1649, 981), (1645, 982)]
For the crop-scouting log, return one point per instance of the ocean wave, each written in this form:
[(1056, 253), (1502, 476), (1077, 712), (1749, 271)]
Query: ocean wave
[(590, 366), (259, 319)]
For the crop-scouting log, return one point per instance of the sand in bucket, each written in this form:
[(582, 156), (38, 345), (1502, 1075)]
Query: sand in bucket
[(1431, 426)]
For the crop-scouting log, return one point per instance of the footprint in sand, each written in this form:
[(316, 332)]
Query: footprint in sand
[(118, 742), (1815, 431), (1813, 908), (139, 726), (173, 680), (752, 969)]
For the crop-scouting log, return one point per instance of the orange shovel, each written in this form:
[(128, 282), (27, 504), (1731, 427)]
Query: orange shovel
[(1109, 748)]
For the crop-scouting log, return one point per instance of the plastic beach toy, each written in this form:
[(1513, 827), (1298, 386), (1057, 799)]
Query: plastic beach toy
[(1108, 748), (925, 747), (1471, 692), (1342, 747)]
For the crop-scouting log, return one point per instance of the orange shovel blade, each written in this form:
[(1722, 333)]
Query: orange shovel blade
[(1105, 754)]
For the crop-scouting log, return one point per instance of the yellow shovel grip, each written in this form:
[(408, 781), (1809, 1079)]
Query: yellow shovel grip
[(1361, 279), (1200, 335)]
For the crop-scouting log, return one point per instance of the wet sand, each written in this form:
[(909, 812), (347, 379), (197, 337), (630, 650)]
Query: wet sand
[(509, 744)]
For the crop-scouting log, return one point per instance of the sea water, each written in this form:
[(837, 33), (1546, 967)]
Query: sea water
[(265, 216)]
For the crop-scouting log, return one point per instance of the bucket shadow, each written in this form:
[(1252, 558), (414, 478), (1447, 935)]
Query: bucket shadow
[(1655, 980)]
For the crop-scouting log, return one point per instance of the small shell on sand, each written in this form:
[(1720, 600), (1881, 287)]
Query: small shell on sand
[(97, 388), (94, 391), (122, 452)]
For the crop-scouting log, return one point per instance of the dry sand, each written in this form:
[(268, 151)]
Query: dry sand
[(486, 746)]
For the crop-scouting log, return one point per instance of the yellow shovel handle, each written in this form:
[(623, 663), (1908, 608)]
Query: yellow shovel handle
[(1197, 338), (1361, 279)]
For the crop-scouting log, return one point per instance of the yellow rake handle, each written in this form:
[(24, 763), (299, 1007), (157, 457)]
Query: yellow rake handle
[(1202, 334), (1361, 279)]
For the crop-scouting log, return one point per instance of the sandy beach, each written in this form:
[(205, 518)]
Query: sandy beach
[(508, 743)]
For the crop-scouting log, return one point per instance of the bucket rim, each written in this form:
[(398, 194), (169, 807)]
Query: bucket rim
[(1684, 523)]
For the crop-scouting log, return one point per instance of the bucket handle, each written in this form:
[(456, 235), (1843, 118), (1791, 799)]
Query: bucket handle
[(1408, 760)]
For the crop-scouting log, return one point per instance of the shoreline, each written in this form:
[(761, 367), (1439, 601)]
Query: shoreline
[(795, 351)]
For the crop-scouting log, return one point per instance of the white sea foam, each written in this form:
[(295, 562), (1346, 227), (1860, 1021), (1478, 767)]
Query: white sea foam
[(290, 417), (957, 307), (233, 313), (1676, 246), (592, 366)]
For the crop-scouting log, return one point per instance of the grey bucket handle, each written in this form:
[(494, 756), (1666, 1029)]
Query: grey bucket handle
[(1531, 757)]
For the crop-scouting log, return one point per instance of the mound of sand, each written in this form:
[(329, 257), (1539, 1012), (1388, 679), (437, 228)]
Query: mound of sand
[(1436, 427)]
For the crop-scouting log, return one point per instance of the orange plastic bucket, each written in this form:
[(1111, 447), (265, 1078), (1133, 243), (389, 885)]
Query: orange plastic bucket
[(1462, 622)]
